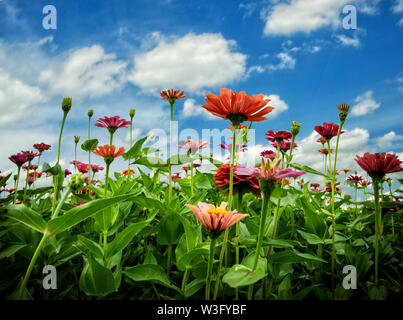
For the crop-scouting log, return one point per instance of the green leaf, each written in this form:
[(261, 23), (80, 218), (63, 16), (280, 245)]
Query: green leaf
[(170, 229), (8, 252), (124, 237), (96, 280), (106, 218), (191, 234), (310, 237), (178, 159), (54, 171), (26, 216), (309, 170), (149, 150), (88, 246), (4, 180), (284, 289), (135, 151), (149, 272), (192, 258), (194, 286), (80, 213), (151, 162), (240, 276), (313, 221), (89, 145), (292, 256)]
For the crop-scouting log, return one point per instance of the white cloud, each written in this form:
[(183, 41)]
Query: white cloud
[(278, 104), (286, 18), (87, 72), (249, 9), (190, 109), (398, 6), (16, 97), (387, 140), (365, 104), (400, 23), (347, 41), (286, 62), (192, 63)]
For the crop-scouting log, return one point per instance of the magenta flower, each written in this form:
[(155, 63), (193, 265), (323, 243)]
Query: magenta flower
[(192, 147), (19, 159), (176, 176), (30, 155), (82, 167), (268, 154), (328, 130), (95, 168), (269, 171), (284, 145), (112, 123)]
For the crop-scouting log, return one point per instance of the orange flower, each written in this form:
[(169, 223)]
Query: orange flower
[(126, 172), (237, 107), (172, 95), (325, 151), (109, 152)]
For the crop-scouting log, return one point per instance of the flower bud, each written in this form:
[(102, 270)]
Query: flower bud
[(66, 104), (296, 126), (90, 113), (76, 139), (343, 111), (76, 181), (132, 112), (151, 136)]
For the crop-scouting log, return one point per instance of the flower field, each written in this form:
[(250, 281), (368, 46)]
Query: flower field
[(236, 232)]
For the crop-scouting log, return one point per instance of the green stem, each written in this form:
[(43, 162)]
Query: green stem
[(106, 179), (169, 260), (356, 199), (332, 202), (170, 152), (26, 182), (60, 137), (185, 279), (230, 196), (89, 154), (131, 141), (16, 185), (237, 227), (265, 207), (191, 179), (210, 268), (375, 184)]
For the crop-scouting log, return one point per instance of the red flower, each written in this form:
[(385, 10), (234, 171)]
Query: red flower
[(237, 107), (242, 183), (325, 151), (284, 145), (176, 176), (172, 95), (328, 130), (321, 140), (112, 123), (66, 172), (82, 167), (346, 170), (125, 173), (30, 155), (42, 147), (95, 168), (379, 164), (314, 185), (278, 136), (78, 204), (19, 159), (354, 179)]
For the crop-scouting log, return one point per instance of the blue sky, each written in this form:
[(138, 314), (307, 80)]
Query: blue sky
[(115, 55)]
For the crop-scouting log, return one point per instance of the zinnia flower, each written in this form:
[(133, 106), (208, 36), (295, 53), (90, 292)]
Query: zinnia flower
[(176, 176), (30, 155), (112, 123), (172, 95), (66, 172), (242, 183), (240, 127), (379, 164), (346, 170), (354, 179), (19, 159), (82, 167), (321, 140), (314, 185), (284, 145), (215, 219), (125, 173), (109, 152), (42, 147), (278, 136), (364, 183), (328, 130), (95, 168), (268, 154), (191, 146), (325, 151), (237, 107)]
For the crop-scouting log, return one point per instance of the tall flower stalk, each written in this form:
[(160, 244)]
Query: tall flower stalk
[(90, 113), (132, 113), (377, 166), (171, 96), (18, 159)]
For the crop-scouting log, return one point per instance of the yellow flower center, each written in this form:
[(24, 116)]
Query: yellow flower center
[(217, 211)]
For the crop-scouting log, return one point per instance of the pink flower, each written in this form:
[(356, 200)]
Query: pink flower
[(66, 172), (268, 154), (112, 123), (78, 204), (82, 167), (215, 219), (95, 168), (284, 145), (269, 171), (191, 146), (176, 176)]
